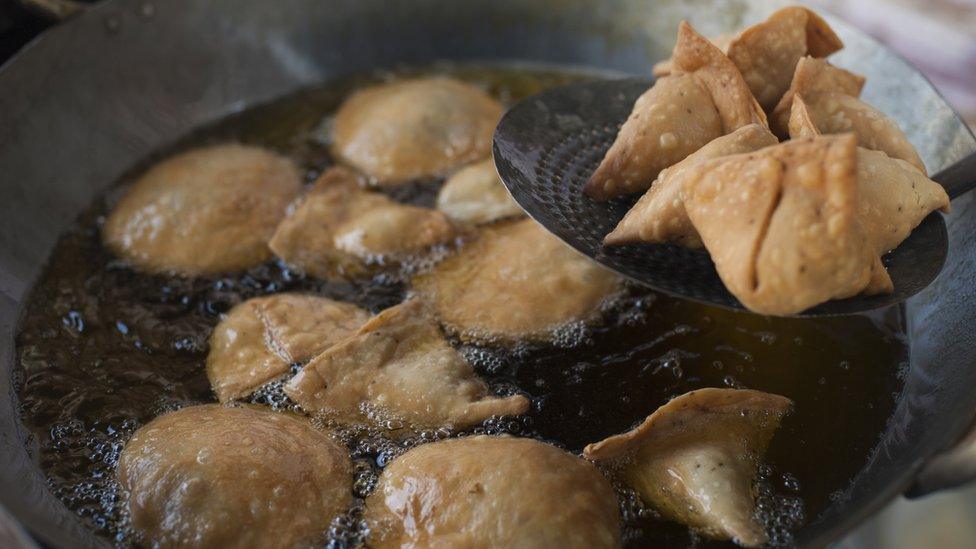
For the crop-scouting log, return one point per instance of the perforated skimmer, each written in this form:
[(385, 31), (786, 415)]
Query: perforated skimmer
[(547, 145)]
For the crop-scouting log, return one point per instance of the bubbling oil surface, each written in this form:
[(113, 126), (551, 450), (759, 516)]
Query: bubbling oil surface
[(103, 349)]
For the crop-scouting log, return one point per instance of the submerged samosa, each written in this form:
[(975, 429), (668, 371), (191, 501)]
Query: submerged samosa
[(695, 459), (492, 491), (258, 340), (339, 229)]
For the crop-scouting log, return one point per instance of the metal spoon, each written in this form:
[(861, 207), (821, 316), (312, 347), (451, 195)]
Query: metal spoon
[(547, 145)]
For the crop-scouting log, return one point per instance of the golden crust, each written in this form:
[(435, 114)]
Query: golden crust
[(767, 53), (666, 67), (669, 121), (830, 105), (211, 476), (801, 123), (893, 196), (398, 367), (695, 458), (837, 113), (205, 211), (492, 492), (694, 54), (705, 98), (811, 78)]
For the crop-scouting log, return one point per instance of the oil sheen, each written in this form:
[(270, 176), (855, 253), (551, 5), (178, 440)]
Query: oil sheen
[(103, 349)]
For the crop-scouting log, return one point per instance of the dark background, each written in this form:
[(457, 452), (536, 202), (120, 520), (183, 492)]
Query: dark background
[(17, 26)]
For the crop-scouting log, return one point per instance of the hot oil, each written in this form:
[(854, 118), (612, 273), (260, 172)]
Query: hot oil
[(104, 350)]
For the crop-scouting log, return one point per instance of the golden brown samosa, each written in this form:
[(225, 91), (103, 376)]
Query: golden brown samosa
[(781, 224), (339, 228), (704, 98), (831, 96), (659, 215), (413, 129), (767, 53), (398, 367), (893, 196)]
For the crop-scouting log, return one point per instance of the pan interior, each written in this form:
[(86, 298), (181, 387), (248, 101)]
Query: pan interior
[(103, 349)]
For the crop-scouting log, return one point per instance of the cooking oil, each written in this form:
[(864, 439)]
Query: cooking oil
[(103, 350)]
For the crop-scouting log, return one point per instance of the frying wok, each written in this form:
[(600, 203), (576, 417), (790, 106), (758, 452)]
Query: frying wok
[(91, 97)]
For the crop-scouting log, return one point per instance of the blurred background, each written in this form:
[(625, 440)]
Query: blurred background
[(937, 36)]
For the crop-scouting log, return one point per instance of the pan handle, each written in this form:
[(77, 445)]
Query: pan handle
[(56, 10), (950, 469)]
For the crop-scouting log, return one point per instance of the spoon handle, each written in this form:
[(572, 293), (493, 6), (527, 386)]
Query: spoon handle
[(959, 178)]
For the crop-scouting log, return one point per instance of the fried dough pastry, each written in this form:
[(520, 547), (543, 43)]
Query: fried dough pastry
[(210, 476), (659, 215), (412, 129), (695, 459), (767, 53), (483, 492), (831, 97), (893, 196), (781, 224), (398, 367), (259, 339), (475, 194), (704, 98), (515, 282), (339, 228), (205, 211)]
